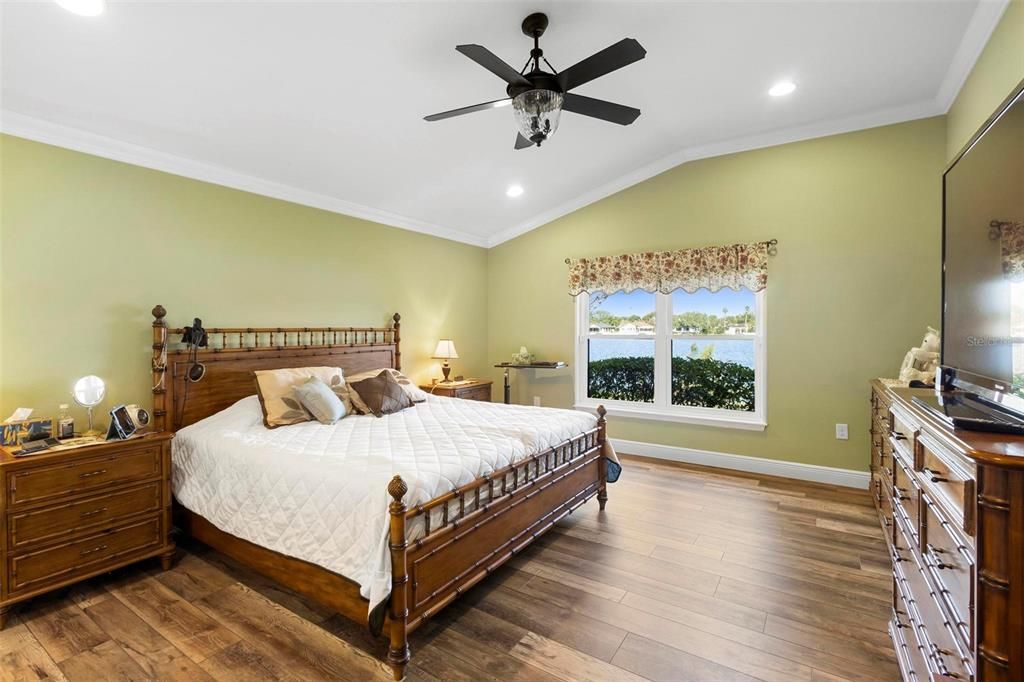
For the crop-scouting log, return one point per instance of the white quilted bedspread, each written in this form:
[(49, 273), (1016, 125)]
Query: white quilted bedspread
[(319, 493)]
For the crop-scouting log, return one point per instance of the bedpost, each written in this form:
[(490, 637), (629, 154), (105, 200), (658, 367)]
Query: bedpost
[(398, 340), (602, 463), (398, 652), (159, 368)]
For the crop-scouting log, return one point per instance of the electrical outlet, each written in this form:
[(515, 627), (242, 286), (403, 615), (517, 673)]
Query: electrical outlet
[(842, 432), (536, 401)]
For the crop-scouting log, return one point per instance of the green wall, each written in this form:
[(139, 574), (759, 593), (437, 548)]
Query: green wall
[(88, 246), (996, 73), (854, 284)]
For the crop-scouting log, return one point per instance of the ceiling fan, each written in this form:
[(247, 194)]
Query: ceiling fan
[(538, 97)]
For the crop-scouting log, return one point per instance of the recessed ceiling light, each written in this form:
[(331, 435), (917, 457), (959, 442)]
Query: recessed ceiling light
[(514, 191), (85, 8), (782, 88)]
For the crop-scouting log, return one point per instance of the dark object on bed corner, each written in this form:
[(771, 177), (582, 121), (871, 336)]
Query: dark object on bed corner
[(382, 394), (526, 498)]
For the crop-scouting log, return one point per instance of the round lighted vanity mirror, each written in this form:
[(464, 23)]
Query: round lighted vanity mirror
[(89, 391)]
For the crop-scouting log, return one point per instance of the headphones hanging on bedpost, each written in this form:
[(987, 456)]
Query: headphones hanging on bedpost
[(194, 338)]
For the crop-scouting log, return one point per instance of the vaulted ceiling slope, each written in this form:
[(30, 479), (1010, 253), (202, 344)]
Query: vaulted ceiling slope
[(322, 103)]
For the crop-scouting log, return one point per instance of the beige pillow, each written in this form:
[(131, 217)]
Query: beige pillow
[(281, 406), (414, 392)]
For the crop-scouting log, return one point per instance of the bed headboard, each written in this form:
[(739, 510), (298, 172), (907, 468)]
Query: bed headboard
[(233, 355)]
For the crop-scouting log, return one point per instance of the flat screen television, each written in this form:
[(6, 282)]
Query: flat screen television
[(983, 269)]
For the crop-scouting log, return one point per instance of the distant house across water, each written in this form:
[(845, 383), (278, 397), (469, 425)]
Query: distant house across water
[(636, 328)]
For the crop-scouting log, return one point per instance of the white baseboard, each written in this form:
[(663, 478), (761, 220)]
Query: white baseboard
[(758, 465)]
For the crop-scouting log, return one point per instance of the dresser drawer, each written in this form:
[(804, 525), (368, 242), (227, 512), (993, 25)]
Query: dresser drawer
[(31, 485), (951, 563), (940, 647), (479, 393), (32, 570), (885, 505), (906, 494), (52, 523), (908, 653), (948, 480)]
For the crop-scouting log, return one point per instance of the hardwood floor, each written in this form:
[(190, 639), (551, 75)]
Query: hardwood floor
[(691, 574)]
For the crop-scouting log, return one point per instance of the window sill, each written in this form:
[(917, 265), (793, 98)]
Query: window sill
[(726, 421)]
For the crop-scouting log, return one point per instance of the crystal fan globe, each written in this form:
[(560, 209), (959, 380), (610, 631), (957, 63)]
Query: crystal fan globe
[(537, 113)]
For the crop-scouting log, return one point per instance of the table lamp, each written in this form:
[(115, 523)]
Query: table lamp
[(445, 351)]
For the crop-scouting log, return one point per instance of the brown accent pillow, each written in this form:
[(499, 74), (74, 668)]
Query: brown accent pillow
[(382, 394), (415, 393)]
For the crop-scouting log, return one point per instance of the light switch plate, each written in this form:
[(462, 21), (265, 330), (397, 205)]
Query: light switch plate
[(842, 432)]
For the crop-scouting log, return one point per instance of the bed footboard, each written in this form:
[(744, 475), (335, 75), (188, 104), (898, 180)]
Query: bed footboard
[(471, 531)]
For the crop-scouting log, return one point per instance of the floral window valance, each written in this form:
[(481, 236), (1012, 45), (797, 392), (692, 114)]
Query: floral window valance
[(1011, 246), (711, 268)]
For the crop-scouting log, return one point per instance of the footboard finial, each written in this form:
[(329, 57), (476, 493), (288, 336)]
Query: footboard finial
[(602, 464), (398, 652), (397, 489)]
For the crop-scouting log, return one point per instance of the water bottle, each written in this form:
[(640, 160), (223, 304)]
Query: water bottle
[(65, 423)]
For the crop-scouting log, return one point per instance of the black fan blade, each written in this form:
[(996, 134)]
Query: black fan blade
[(622, 53), (522, 142), (598, 108), (490, 61), (469, 110)]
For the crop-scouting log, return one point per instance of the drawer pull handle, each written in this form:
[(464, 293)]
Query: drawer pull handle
[(94, 512), (90, 474), (898, 436), (898, 492), (935, 476), (939, 563), (87, 552)]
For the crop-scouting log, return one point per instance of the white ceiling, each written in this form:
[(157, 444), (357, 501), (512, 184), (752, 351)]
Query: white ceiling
[(322, 103)]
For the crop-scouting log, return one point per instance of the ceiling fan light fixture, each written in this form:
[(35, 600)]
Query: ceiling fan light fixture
[(536, 113)]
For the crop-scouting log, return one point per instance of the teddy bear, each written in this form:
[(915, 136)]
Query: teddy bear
[(919, 363)]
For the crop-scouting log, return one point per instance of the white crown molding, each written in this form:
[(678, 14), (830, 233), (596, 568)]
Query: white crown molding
[(984, 21), (847, 478), (848, 124), (28, 127)]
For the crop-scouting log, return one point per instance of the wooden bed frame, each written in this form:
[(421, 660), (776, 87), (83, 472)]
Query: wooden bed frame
[(468, 532)]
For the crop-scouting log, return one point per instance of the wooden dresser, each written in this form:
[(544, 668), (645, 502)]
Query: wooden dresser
[(951, 503), (72, 514)]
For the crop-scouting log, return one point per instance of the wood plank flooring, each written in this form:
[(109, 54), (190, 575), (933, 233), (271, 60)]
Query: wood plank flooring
[(692, 573)]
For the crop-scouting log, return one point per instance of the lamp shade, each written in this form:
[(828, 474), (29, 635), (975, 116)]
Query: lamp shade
[(446, 350)]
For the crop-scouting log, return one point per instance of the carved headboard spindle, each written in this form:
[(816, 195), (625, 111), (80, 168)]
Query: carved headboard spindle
[(159, 368)]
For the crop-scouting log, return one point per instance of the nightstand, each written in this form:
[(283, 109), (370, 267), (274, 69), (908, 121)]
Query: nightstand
[(467, 390), (73, 514)]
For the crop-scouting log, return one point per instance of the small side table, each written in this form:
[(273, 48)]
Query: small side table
[(472, 389), (533, 365)]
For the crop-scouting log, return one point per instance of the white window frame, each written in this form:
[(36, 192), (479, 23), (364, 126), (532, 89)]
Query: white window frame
[(662, 408)]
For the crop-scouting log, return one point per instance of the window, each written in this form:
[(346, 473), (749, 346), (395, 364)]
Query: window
[(696, 358)]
